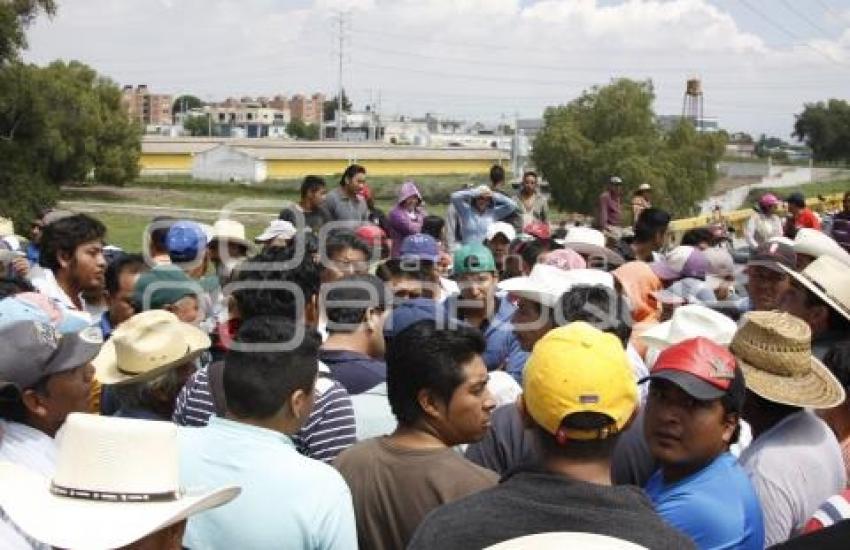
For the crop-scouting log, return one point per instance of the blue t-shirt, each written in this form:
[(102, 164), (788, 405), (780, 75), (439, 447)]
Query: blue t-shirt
[(716, 506)]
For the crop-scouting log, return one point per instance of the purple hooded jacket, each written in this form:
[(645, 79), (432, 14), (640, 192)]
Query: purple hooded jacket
[(400, 221)]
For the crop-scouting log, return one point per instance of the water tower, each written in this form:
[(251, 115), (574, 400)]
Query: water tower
[(692, 103)]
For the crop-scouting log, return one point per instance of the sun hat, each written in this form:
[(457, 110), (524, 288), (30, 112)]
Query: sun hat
[(419, 247), (473, 258), (116, 482), (812, 242), (773, 254), (35, 306), (565, 259), (768, 199), (146, 345), (229, 231), (33, 350), (162, 286), (501, 228), (546, 284), (681, 262), (538, 230), (702, 368), (276, 229), (826, 278), (644, 187), (185, 241), (559, 540), (615, 180), (774, 350), (575, 369), (591, 243), (690, 321)]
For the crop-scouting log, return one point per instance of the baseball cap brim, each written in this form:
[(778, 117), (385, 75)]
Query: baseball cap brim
[(75, 350), (690, 384)]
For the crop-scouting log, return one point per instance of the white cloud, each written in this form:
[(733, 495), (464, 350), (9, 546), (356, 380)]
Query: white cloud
[(475, 58)]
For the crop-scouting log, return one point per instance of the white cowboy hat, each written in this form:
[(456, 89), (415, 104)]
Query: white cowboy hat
[(275, 229), (230, 231), (501, 228), (546, 283), (812, 242), (690, 321), (826, 278), (591, 243), (644, 187), (146, 345), (557, 541), (116, 482)]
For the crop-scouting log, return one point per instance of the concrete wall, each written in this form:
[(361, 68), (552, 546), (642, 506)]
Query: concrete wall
[(743, 169), (226, 164), (170, 163)]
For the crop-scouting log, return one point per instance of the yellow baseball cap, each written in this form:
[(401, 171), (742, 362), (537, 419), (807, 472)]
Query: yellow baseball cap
[(578, 368)]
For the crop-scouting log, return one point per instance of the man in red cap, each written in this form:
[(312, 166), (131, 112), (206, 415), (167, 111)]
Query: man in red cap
[(696, 395)]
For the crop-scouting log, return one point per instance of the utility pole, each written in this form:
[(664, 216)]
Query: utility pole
[(341, 17)]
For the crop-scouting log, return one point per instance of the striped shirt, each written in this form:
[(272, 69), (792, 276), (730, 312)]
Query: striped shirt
[(329, 430), (835, 509)]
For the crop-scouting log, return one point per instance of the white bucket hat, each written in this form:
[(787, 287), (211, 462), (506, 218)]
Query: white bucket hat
[(690, 321), (116, 482), (275, 229), (146, 345), (591, 243), (826, 278), (230, 231), (546, 283), (812, 242)]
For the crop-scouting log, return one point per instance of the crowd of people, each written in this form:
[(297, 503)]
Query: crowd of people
[(356, 379)]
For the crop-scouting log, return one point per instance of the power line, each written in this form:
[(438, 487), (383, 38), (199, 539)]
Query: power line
[(805, 18)]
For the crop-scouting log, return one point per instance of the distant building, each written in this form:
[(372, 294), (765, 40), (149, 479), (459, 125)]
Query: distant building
[(309, 110), (251, 118), (146, 108), (705, 124)]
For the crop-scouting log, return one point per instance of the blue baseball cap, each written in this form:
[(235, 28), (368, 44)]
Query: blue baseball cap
[(419, 247), (32, 306), (185, 240), (409, 312)]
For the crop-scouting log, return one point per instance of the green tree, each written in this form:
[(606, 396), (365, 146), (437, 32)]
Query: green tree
[(186, 103), (613, 130), (825, 128), (15, 17), (312, 132), (296, 129), (197, 125), (331, 106)]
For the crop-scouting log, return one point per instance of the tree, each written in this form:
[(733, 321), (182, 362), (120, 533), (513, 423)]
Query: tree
[(613, 130), (825, 128), (197, 125), (299, 130), (186, 103), (331, 106), (15, 17)]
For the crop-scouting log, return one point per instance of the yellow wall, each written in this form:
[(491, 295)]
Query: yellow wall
[(178, 162), (297, 168)]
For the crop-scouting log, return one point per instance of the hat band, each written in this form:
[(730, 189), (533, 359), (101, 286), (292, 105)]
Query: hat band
[(107, 496), (837, 303)]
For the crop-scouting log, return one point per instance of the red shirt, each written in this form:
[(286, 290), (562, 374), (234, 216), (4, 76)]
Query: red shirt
[(807, 218)]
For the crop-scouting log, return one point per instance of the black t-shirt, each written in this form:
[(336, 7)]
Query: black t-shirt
[(313, 219), (533, 502)]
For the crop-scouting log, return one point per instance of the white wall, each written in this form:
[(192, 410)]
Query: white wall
[(224, 163)]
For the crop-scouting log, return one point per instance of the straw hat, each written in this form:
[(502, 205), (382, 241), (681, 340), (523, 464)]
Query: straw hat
[(229, 231), (116, 482), (774, 351), (146, 345), (826, 278)]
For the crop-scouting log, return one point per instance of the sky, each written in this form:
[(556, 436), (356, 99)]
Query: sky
[(759, 61)]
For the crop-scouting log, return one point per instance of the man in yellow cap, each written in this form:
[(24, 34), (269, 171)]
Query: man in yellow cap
[(579, 396)]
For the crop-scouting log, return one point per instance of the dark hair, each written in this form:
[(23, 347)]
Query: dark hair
[(836, 321), (433, 226), (599, 306), (837, 360), (125, 263), (65, 235), (258, 383), (529, 173), (310, 184), (593, 449), (423, 356), (350, 172), (264, 294), (650, 222), (9, 286), (531, 250), (160, 233), (693, 237), (347, 300), (341, 240), (797, 199), (497, 174)]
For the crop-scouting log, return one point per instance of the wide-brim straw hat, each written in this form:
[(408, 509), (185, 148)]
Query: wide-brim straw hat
[(116, 482), (146, 346), (826, 278), (774, 351)]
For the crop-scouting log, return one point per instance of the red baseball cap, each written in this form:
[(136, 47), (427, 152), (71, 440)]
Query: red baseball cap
[(700, 367), (372, 235), (538, 229)]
